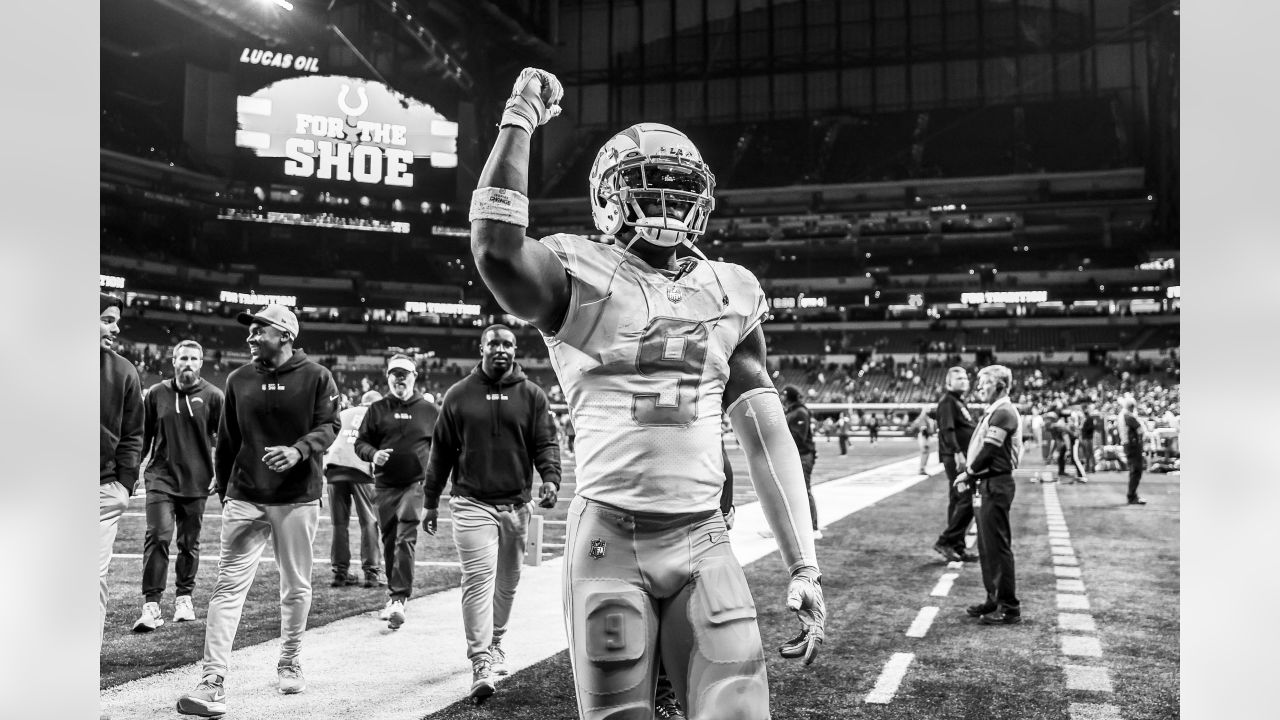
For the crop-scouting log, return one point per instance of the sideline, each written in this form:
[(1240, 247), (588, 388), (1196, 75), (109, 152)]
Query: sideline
[(422, 667)]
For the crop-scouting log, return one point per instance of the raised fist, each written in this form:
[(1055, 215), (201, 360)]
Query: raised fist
[(535, 99)]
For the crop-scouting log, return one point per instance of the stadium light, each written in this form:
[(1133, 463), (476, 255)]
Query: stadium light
[(283, 4)]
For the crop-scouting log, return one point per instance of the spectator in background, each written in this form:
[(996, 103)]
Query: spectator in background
[(1064, 435), (922, 426), (955, 429), (395, 436), (182, 418), (873, 427), (351, 484), (842, 431), (494, 430), (1132, 437), (800, 423), (1088, 430), (120, 418), (281, 413)]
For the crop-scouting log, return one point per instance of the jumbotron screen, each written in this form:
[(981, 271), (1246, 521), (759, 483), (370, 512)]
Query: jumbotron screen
[(298, 125)]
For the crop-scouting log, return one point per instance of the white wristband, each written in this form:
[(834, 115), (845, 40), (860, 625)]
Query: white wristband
[(501, 204)]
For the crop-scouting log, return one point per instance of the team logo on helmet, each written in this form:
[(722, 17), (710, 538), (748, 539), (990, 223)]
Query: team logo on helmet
[(652, 178)]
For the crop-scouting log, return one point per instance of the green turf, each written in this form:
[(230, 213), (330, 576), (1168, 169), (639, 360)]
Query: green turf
[(878, 572)]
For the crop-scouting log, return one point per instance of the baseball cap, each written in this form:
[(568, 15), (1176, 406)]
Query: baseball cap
[(401, 363), (370, 397), (277, 316), (106, 300)]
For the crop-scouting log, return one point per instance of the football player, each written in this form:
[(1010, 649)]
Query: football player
[(650, 350)]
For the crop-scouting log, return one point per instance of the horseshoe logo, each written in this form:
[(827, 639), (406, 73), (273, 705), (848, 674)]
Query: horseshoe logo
[(352, 111)]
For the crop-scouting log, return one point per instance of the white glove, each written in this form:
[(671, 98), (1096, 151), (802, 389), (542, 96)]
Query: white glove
[(535, 99), (804, 597)]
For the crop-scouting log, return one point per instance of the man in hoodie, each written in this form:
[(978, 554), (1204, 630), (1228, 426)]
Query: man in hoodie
[(955, 428), (351, 483), (120, 416), (281, 412), (182, 416), (494, 429), (396, 437)]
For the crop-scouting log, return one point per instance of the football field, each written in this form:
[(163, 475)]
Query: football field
[(1098, 580)]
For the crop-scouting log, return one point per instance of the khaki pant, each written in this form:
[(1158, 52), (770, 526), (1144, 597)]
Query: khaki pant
[(342, 496), (491, 549), (246, 527), (113, 498)]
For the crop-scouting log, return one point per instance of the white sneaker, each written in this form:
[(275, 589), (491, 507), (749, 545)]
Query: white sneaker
[(396, 617), (497, 660), (817, 534), (385, 614), (150, 618), (183, 611)]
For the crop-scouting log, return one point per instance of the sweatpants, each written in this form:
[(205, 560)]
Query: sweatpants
[(246, 527), (490, 543), (807, 461), (399, 511), (113, 498), (342, 496), (164, 513)]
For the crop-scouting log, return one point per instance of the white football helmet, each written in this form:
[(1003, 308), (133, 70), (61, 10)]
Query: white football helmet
[(652, 177)]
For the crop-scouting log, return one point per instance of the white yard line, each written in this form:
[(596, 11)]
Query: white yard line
[(890, 678)]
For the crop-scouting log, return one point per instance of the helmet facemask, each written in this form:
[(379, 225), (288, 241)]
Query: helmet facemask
[(666, 198)]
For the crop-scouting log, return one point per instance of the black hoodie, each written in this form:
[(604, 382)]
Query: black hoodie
[(120, 417), (491, 434), (295, 405), (181, 423), (404, 427)]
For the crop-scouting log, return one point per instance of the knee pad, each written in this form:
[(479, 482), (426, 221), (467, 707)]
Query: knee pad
[(723, 614), (611, 638)]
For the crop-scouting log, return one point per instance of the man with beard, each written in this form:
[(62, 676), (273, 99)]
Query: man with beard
[(395, 436), (281, 412), (182, 416), (494, 429), (120, 417)]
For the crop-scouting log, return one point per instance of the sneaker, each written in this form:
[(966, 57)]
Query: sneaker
[(395, 618), (386, 611), (481, 677), (344, 578), (183, 611), (150, 618), (817, 535), (209, 699), (980, 609), (946, 552), (374, 579), (667, 709), (291, 680), (1008, 617), (497, 660), (1135, 500)]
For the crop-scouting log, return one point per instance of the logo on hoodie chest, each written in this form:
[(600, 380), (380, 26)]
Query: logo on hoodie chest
[(272, 386), (402, 416), (496, 396)]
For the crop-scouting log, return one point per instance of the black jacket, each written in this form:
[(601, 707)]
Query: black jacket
[(296, 405), (955, 425), (490, 436), (798, 418), (120, 416), (404, 427), (181, 424)]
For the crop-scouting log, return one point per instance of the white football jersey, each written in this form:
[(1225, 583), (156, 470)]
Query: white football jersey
[(643, 371)]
